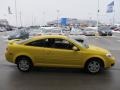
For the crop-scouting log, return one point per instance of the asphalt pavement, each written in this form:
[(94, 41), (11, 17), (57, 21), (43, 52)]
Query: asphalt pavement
[(62, 79)]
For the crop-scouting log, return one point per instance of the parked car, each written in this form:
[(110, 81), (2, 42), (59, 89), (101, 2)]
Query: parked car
[(2, 29), (117, 29), (42, 31), (55, 31), (35, 32), (75, 31), (89, 32), (57, 51), (79, 38), (113, 27), (19, 34), (105, 31)]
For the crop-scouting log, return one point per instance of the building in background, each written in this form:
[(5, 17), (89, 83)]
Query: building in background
[(72, 22)]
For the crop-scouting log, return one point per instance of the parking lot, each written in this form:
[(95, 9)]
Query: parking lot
[(62, 79)]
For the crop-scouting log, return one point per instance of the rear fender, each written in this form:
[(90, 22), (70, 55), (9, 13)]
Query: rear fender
[(23, 54)]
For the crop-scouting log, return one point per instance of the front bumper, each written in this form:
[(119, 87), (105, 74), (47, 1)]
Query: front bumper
[(110, 62)]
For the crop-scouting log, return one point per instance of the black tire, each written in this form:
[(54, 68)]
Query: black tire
[(24, 64), (94, 66), (110, 34)]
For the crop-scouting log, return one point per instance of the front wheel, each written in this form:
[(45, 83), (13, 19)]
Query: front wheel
[(24, 64), (93, 66)]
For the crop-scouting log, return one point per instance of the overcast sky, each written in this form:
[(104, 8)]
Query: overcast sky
[(40, 11)]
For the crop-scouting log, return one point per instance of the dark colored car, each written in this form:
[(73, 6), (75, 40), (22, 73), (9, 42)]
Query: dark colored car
[(105, 31), (22, 34), (117, 29)]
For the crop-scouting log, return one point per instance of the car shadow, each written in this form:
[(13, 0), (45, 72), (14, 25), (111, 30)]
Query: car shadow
[(53, 77), (64, 71)]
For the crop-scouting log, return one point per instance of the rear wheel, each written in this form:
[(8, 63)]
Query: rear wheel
[(24, 64), (94, 66)]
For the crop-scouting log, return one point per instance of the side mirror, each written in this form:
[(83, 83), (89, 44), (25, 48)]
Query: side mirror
[(75, 48)]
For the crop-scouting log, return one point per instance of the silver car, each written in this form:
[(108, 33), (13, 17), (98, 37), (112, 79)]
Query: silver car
[(89, 32)]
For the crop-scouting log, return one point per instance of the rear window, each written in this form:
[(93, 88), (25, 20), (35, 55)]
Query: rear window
[(23, 41)]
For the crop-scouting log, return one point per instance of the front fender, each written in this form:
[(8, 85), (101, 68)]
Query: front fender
[(95, 56)]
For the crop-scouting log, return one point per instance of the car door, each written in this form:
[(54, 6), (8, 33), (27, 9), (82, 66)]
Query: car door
[(37, 49), (62, 54)]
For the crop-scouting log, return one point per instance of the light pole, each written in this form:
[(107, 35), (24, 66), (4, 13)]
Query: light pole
[(32, 20), (114, 14), (58, 18), (44, 16), (16, 11), (98, 14), (20, 20)]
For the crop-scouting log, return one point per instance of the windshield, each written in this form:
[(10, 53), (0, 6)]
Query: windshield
[(84, 44)]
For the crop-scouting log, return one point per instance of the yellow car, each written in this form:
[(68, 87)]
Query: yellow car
[(57, 51)]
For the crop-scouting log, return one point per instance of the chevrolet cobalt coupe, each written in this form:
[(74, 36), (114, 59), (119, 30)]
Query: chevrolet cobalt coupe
[(57, 51)]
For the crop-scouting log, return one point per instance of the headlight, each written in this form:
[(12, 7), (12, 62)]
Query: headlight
[(109, 55)]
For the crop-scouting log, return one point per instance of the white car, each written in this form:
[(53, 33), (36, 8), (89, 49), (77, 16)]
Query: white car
[(75, 31), (2, 29), (89, 32), (55, 31), (80, 38), (42, 31), (35, 32)]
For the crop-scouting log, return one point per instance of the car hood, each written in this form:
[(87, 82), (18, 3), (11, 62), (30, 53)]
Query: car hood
[(98, 49)]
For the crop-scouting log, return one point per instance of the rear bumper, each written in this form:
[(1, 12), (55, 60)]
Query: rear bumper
[(9, 57)]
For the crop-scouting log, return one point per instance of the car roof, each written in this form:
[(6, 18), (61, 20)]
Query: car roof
[(49, 36), (43, 37), (83, 37)]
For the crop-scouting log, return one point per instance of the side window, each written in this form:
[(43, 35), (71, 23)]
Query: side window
[(52, 43), (62, 44), (39, 43)]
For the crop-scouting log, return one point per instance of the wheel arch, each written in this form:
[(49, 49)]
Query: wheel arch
[(95, 58), (19, 56)]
